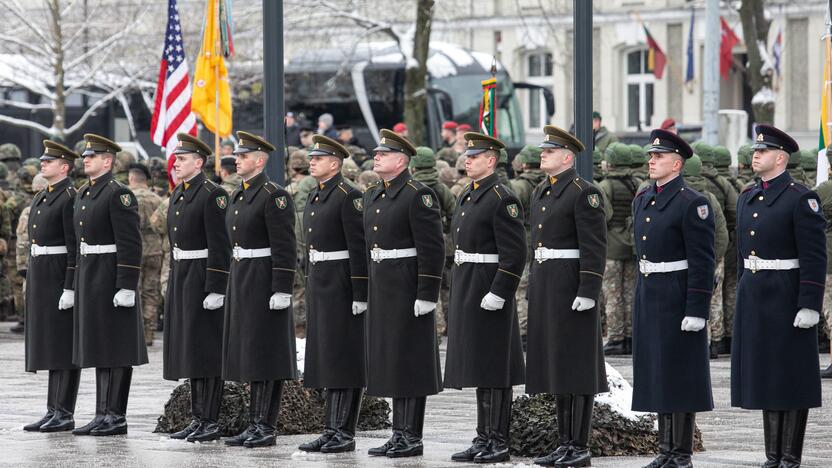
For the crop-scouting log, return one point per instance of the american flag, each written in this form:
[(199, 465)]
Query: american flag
[(172, 110)]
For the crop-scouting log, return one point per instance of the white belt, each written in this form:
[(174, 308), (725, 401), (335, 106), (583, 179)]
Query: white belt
[(541, 254), (179, 254), (378, 254), (662, 267), (87, 249), (316, 256), (36, 250), (239, 252), (756, 263), (465, 257)]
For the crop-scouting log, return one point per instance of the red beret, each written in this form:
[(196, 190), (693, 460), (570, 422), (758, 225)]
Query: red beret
[(463, 128), (449, 125), (667, 123), (400, 127)]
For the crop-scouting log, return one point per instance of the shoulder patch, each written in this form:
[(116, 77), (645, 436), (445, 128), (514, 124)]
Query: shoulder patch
[(358, 203), (126, 199), (281, 202), (427, 199), (702, 211), (594, 200), (813, 204), (222, 201), (513, 210)]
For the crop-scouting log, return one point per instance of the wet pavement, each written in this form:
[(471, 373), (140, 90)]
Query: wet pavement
[(732, 437)]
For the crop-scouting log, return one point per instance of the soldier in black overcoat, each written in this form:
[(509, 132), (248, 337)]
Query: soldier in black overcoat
[(50, 292), (108, 324), (565, 349), (200, 254), (774, 355), (336, 296), (674, 239), (403, 231), (259, 335)]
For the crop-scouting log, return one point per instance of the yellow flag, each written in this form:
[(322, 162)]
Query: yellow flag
[(211, 100)]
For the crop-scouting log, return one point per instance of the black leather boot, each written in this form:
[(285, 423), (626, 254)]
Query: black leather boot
[(347, 408), (563, 406), (196, 391), (267, 414), (102, 391), (329, 423), (681, 441), (480, 442), (399, 410), (115, 423), (210, 399), (794, 428), (51, 395), (773, 437), (616, 348), (713, 350), (665, 435), (578, 454), (256, 394), (826, 373), (64, 403), (724, 345), (410, 441), (497, 450), (629, 343)]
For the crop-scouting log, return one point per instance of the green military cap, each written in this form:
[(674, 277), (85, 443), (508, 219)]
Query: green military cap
[(638, 157), (618, 154), (596, 115), (693, 166), (191, 144), (423, 159), (9, 151), (705, 152), (390, 141), (809, 159), (55, 150), (140, 168), (722, 156), (325, 146), (502, 157), (794, 159), (94, 144), (532, 154), (597, 156), (556, 137), (744, 154), (248, 142), (477, 143)]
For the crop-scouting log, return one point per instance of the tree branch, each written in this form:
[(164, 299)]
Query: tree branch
[(31, 125), (89, 112), (24, 105), (16, 10)]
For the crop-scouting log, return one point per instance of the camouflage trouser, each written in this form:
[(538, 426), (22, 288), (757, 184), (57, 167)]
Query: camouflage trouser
[(444, 299), (729, 297), (17, 292), (299, 300), (717, 323), (618, 290), (12, 291), (827, 305), (6, 312), (149, 293), (522, 301)]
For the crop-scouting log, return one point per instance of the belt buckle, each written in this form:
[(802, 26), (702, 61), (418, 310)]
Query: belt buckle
[(312, 256), (642, 267), (34, 250), (538, 255), (752, 260), (458, 258), (235, 253), (375, 254)]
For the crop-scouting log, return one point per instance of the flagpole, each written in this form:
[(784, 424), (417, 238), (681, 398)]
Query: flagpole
[(828, 84)]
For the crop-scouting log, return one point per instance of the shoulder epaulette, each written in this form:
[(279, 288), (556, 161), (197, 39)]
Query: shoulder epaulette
[(83, 186), (413, 185), (209, 185), (343, 189), (271, 187)]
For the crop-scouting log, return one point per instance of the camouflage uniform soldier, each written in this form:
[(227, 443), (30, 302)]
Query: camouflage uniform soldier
[(462, 183), (794, 168), (121, 165), (159, 176), (597, 166), (824, 191), (619, 188), (6, 307), (744, 172), (721, 319), (423, 168), (722, 162), (151, 299), (301, 186), (809, 162), (502, 164), (20, 198), (228, 173), (523, 185), (10, 155), (22, 248), (693, 177), (639, 162), (350, 171), (159, 223)]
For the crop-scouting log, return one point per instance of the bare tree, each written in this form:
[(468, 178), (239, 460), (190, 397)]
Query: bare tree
[(56, 49), (759, 73), (416, 72)]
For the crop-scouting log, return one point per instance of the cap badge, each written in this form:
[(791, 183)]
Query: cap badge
[(760, 137), (470, 143), (657, 142), (383, 141)]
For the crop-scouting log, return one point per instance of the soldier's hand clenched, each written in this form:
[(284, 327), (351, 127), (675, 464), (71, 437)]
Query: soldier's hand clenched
[(421, 307), (213, 301), (124, 298), (358, 307), (582, 303), (693, 324), (806, 318), (280, 301), (67, 300), (492, 301)]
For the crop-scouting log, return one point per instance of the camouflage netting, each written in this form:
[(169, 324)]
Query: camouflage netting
[(534, 430), (301, 410)]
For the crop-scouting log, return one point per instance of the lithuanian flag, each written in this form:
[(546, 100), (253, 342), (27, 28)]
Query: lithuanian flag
[(656, 59), (488, 107)]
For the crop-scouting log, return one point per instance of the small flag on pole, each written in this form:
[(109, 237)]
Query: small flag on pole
[(212, 91), (656, 59), (726, 47), (826, 101), (488, 106), (689, 71)]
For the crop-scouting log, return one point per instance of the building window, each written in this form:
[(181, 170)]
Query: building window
[(639, 91), (539, 70)]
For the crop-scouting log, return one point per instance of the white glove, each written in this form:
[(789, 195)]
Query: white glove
[(213, 301), (492, 301), (693, 324), (124, 298), (358, 307), (421, 307), (806, 318), (582, 303), (67, 300), (280, 301)]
